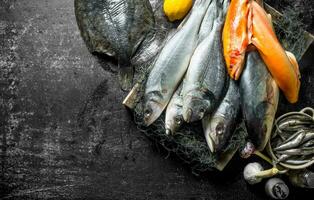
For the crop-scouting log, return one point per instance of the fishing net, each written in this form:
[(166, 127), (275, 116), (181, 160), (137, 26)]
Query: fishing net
[(290, 31), (188, 143)]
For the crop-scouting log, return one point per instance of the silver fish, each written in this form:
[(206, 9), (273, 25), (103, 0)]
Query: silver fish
[(116, 28), (172, 63), (304, 151), (291, 144), (296, 162), (219, 126), (206, 76), (259, 100), (308, 136), (174, 118)]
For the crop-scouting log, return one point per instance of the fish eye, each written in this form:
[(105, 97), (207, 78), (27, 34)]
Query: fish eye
[(147, 113), (178, 120), (202, 110), (219, 129)]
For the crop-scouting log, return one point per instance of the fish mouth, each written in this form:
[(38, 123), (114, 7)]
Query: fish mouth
[(168, 131), (190, 116), (173, 125), (194, 108), (210, 143), (151, 112)]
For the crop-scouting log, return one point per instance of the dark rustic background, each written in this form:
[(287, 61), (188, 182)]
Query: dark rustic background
[(64, 132)]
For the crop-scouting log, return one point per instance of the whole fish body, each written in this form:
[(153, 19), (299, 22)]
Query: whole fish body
[(171, 64), (219, 126), (116, 28), (259, 99), (174, 118), (281, 64), (206, 76)]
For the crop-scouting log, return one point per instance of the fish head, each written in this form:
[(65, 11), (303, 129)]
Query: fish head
[(152, 110), (196, 105), (174, 120), (216, 132)]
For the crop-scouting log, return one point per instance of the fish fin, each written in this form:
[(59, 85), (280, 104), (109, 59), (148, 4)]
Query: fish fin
[(294, 63), (250, 25), (260, 2), (126, 78)]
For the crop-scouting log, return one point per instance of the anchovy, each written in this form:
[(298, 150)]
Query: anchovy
[(116, 28), (294, 135), (283, 158), (308, 143), (172, 63), (259, 100), (174, 118), (206, 76), (296, 152), (296, 162), (291, 144), (294, 123), (308, 136), (219, 126)]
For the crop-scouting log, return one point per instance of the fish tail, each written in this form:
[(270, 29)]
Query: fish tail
[(126, 74), (294, 63), (201, 4)]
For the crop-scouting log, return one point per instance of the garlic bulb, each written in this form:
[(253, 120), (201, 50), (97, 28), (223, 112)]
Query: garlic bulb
[(276, 188), (250, 172), (254, 173)]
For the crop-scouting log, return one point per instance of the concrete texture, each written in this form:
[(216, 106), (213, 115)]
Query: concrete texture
[(64, 132)]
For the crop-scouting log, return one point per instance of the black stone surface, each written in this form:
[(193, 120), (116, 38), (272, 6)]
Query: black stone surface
[(64, 133)]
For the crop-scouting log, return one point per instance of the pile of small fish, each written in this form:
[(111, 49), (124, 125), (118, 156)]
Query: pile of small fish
[(292, 143), (189, 77)]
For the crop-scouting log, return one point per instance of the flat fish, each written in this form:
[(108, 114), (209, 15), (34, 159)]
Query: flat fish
[(116, 28), (174, 118), (206, 76), (219, 126), (172, 63), (259, 100)]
